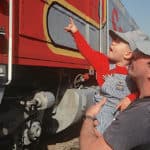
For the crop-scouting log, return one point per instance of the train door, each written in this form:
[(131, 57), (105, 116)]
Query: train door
[(6, 14)]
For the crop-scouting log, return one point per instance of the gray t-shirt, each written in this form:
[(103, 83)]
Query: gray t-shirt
[(131, 127)]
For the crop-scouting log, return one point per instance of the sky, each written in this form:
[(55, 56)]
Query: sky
[(140, 12)]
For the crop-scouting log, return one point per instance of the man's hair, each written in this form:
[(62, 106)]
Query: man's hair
[(138, 54)]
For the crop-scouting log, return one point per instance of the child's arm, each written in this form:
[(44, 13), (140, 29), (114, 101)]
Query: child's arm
[(96, 59), (72, 28), (133, 96), (124, 103)]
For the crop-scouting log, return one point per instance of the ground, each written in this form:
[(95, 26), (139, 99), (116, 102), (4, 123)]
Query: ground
[(67, 140)]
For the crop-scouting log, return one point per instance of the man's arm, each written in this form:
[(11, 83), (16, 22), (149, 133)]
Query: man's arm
[(90, 138)]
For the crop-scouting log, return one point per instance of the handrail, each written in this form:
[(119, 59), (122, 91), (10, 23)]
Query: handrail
[(10, 42)]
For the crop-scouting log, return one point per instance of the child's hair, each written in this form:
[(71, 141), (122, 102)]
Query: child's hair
[(137, 54)]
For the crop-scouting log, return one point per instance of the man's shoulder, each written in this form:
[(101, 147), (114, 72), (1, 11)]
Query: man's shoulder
[(141, 101)]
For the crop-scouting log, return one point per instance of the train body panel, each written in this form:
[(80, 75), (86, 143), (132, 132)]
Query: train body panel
[(38, 30)]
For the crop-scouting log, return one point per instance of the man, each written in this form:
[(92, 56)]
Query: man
[(132, 126)]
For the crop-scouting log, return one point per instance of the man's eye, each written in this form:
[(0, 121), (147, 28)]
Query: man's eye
[(148, 64)]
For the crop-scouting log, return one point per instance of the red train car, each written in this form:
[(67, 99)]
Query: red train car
[(40, 66)]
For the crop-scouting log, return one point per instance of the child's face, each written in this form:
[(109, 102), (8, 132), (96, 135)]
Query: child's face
[(118, 50)]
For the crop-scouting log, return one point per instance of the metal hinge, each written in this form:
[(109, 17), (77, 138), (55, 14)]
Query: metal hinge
[(2, 31)]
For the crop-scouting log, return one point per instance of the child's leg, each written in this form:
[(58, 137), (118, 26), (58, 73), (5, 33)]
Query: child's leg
[(105, 117), (97, 97)]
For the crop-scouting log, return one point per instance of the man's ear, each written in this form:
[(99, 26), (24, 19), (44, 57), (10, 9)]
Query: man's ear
[(128, 55), (149, 75)]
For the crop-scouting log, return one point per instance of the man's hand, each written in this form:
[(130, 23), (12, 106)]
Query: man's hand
[(71, 26), (95, 108), (90, 137), (123, 104)]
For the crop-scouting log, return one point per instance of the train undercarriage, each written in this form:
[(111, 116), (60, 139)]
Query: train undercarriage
[(42, 104)]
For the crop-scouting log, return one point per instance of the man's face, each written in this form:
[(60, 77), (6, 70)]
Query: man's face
[(140, 69), (117, 50)]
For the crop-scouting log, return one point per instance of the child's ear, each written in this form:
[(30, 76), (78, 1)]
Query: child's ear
[(128, 55)]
